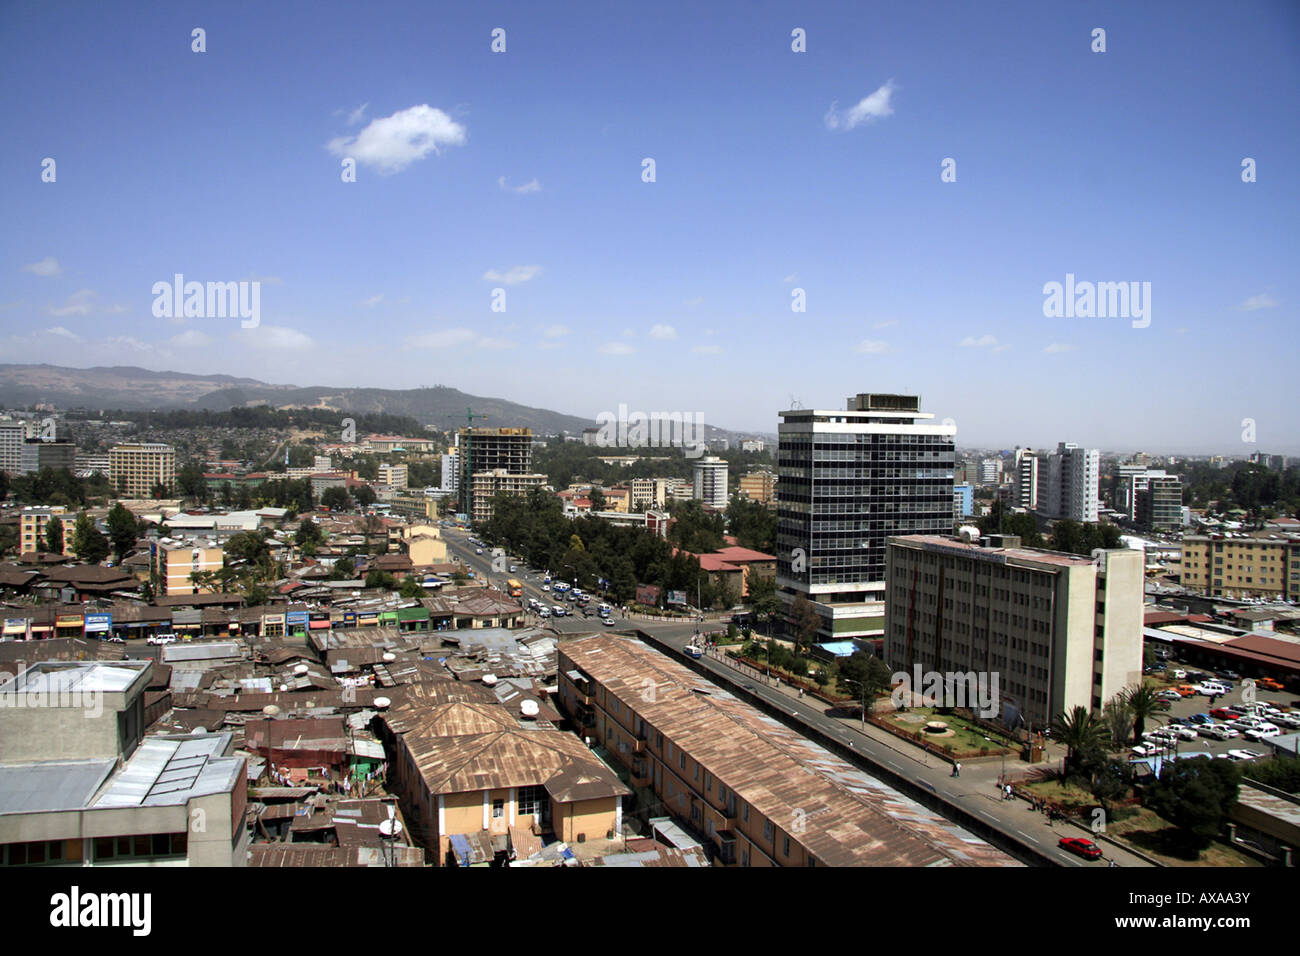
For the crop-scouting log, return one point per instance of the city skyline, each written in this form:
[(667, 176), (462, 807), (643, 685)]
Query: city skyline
[(774, 171)]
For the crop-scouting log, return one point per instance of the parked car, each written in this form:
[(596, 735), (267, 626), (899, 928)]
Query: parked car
[(1217, 731), (162, 639), (1177, 674), (1201, 719), (1230, 675), (1262, 731), (1267, 683), (1244, 755), (1147, 750), (1078, 845)]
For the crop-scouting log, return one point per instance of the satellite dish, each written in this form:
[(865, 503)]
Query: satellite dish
[(389, 656), (382, 702), (271, 710), (489, 679), (529, 708), (390, 827), (301, 669), (284, 687)]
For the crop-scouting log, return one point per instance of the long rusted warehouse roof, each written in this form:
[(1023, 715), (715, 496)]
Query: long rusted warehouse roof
[(848, 818)]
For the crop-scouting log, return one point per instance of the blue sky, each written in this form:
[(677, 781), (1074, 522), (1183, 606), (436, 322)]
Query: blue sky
[(774, 170)]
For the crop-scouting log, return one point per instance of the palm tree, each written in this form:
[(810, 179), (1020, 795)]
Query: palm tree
[(1141, 700), (1081, 731), (1119, 719)]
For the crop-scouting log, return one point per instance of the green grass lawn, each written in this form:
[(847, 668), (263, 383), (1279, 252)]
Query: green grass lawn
[(966, 737)]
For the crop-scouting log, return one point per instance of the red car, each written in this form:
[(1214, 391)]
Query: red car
[(1222, 713), (1085, 848)]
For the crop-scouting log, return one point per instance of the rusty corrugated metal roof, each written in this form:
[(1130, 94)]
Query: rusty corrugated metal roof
[(848, 818)]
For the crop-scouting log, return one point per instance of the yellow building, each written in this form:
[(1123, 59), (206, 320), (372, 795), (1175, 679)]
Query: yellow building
[(31, 528), (424, 545), (465, 766), (134, 469), (176, 562), (758, 486), (1255, 565)]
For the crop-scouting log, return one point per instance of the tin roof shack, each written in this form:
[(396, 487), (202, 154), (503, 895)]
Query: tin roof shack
[(78, 785), (467, 771), (296, 746), (315, 855)]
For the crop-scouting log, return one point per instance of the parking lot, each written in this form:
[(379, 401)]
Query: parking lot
[(1185, 707)]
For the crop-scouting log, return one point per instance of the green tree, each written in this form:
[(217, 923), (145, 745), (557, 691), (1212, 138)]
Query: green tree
[(336, 499), (376, 578), (805, 621), (1083, 735), (8, 539), (866, 675), (1196, 795), (411, 589), (598, 502), (343, 570), (54, 535), (87, 542), (1118, 715), (122, 530), (1142, 704), (364, 495), (309, 534)]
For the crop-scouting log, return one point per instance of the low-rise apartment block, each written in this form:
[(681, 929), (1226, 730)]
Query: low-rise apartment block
[(1058, 630), (175, 562), (32, 522), (1243, 565)]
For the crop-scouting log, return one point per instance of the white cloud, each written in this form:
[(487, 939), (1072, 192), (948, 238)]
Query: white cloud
[(443, 339), (190, 339), (708, 349), (1002, 348), (392, 143), (1262, 301), (1058, 347), (373, 301), (276, 337), (491, 343), (557, 331), (532, 186), (49, 266), (514, 276), (868, 109), (663, 332), (978, 343), (792, 277), (129, 342), (629, 334), (698, 300), (357, 115), (79, 303), (872, 347), (889, 323), (64, 333), (617, 348)]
